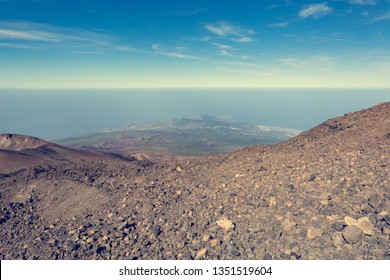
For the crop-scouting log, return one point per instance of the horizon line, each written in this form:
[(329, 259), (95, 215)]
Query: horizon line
[(157, 88)]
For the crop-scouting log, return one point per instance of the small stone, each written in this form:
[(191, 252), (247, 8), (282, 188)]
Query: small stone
[(180, 245), (288, 225), (314, 232), (178, 169), (339, 226), (325, 198), (337, 239), (215, 242), (122, 226), (71, 232), (91, 232), (110, 215), (52, 242), (201, 254), (352, 234), (89, 240), (156, 230), (272, 201), (374, 200), (233, 251), (225, 224), (179, 256), (206, 238), (104, 238), (267, 256), (385, 230)]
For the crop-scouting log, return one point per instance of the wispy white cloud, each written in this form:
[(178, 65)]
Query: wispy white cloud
[(243, 39), (319, 38), (293, 62), (198, 39), (313, 61), (383, 17), (229, 30), (307, 38), (21, 46), (51, 36), (240, 63), (221, 46), (33, 35), (159, 50), (224, 50), (315, 11), (280, 24), (363, 2)]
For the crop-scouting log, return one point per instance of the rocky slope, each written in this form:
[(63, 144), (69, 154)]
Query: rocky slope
[(321, 195), (18, 152)]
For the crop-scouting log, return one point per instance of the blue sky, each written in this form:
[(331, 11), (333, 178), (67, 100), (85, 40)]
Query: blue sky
[(131, 44)]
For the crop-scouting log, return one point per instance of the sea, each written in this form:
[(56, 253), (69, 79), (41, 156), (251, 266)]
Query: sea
[(53, 114)]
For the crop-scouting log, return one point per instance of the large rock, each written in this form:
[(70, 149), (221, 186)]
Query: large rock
[(363, 223), (352, 234)]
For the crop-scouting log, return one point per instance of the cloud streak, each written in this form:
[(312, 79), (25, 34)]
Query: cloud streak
[(226, 29), (383, 17), (363, 2), (280, 24), (157, 48), (315, 11), (50, 36), (314, 61), (12, 34)]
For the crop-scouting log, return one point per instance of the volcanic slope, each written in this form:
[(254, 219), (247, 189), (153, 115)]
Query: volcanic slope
[(19, 152), (323, 194)]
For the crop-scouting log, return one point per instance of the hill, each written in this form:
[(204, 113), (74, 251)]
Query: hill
[(19, 152), (323, 194)]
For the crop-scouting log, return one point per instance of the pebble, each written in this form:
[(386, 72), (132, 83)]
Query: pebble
[(89, 240), (201, 254), (337, 239), (225, 224), (288, 225), (215, 242), (314, 232)]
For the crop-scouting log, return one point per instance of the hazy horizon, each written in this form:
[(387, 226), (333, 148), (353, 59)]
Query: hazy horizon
[(54, 114)]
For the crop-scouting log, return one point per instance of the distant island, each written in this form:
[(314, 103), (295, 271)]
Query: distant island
[(192, 136)]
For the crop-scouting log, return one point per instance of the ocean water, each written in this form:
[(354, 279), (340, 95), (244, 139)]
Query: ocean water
[(55, 114)]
